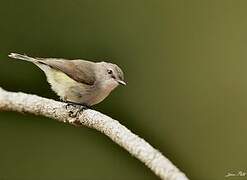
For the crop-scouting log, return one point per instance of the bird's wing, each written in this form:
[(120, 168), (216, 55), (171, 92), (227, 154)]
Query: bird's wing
[(79, 70)]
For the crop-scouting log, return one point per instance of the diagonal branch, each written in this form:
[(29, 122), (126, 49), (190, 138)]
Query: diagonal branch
[(138, 147)]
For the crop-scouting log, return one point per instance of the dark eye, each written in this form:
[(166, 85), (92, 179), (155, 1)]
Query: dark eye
[(109, 71)]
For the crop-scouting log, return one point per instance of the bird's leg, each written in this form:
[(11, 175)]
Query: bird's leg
[(76, 105), (75, 108)]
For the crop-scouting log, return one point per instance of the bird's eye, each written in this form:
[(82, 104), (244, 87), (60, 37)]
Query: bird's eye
[(109, 71)]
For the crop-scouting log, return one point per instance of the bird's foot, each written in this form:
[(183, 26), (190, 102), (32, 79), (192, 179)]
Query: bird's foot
[(75, 108)]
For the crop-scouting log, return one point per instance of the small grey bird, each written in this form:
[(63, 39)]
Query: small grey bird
[(78, 81)]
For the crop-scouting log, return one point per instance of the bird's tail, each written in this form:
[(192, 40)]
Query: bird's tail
[(22, 57)]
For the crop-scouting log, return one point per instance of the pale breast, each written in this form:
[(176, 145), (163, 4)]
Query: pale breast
[(102, 90)]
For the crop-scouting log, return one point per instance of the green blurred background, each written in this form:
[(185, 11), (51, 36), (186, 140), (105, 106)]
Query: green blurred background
[(185, 63)]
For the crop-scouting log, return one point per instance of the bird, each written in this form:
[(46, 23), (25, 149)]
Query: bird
[(78, 81)]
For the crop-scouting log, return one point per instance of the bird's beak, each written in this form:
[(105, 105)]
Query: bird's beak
[(121, 82)]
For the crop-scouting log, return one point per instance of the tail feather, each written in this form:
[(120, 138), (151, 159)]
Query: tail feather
[(22, 57)]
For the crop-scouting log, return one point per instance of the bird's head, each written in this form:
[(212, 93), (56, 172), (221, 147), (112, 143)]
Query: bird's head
[(111, 74)]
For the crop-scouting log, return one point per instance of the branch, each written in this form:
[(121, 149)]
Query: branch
[(138, 147)]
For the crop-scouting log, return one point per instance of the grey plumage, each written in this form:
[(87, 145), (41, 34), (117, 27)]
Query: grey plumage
[(78, 81), (80, 70)]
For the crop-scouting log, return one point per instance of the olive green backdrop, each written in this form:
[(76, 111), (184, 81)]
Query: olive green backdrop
[(186, 67)]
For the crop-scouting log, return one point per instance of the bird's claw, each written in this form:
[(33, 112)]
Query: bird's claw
[(74, 109)]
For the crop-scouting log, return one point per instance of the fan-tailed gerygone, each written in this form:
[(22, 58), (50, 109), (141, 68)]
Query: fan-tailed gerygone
[(78, 81)]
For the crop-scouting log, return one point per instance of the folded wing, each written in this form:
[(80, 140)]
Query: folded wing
[(80, 70)]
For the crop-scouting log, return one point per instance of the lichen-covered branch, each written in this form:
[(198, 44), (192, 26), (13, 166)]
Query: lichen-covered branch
[(138, 147)]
